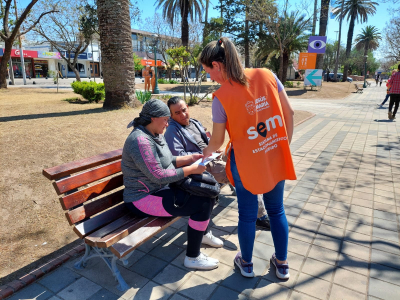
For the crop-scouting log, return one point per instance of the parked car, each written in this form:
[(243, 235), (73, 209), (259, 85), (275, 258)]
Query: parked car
[(339, 77)]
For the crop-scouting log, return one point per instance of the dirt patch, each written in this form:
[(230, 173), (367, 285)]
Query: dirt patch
[(40, 130)]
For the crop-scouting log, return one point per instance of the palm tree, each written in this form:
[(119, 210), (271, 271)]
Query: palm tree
[(356, 10), (294, 30), (173, 9), (368, 39), (323, 23), (116, 53)]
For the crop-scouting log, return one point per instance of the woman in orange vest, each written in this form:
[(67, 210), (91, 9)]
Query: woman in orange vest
[(253, 107)]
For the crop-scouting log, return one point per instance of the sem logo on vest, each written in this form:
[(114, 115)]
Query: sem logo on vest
[(263, 128)]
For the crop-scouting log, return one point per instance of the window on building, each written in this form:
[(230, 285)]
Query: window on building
[(79, 67)]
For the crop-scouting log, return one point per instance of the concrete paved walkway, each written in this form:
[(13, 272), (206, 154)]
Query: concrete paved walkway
[(344, 215)]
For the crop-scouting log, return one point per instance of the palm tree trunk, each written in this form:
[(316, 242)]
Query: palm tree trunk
[(205, 29), (285, 66), (366, 47), (116, 49), (348, 47), (323, 22), (185, 23), (246, 42)]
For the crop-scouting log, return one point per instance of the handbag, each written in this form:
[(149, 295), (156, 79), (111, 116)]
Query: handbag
[(203, 185)]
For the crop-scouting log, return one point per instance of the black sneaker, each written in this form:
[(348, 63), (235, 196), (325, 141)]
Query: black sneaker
[(264, 224)]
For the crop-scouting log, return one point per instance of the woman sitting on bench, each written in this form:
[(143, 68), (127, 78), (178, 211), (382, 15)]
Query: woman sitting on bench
[(148, 167)]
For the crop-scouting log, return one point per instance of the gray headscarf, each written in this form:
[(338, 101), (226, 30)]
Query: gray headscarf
[(153, 108)]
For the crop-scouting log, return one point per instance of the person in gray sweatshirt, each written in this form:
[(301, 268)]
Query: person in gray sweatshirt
[(148, 167)]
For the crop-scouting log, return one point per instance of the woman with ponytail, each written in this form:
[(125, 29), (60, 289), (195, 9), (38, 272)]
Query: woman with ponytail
[(148, 167), (253, 107)]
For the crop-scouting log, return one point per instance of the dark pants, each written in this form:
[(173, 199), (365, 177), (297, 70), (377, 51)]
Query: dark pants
[(197, 208), (394, 99)]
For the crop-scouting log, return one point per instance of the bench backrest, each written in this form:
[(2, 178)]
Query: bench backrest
[(90, 191)]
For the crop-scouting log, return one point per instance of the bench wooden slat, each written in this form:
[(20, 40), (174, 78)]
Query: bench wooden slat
[(73, 182), (84, 195), (140, 236), (86, 211), (80, 165), (117, 230), (89, 226)]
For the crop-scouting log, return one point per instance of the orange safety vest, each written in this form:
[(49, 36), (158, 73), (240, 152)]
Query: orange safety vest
[(257, 131)]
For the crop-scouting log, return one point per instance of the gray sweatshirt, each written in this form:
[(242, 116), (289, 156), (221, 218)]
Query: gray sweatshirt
[(147, 164)]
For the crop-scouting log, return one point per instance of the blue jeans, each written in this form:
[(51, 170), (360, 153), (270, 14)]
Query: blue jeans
[(248, 207), (386, 99)]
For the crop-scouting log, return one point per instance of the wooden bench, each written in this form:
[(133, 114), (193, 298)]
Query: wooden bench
[(90, 192), (359, 89)]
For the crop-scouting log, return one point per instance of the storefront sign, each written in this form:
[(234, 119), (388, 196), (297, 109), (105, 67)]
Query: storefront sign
[(80, 56), (27, 53), (46, 54), (41, 61), (313, 77), (151, 62), (307, 61)]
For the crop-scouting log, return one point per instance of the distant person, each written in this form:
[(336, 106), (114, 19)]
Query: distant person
[(394, 85), (185, 136), (380, 81), (377, 79), (328, 78), (252, 105)]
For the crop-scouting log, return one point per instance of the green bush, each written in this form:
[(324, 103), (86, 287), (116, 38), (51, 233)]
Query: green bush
[(91, 91), (143, 97), (298, 83), (288, 84), (172, 81), (162, 80)]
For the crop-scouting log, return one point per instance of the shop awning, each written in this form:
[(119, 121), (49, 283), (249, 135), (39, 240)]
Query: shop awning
[(27, 53), (151, 63)]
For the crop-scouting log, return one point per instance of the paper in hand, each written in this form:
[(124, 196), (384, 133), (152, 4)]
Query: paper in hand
[(207, 160)]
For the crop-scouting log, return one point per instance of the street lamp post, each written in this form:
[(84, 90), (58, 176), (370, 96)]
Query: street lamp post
[(365, 72), (156, 90)]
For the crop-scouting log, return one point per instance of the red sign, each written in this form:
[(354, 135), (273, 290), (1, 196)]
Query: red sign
[(27, 53), (151, 63)]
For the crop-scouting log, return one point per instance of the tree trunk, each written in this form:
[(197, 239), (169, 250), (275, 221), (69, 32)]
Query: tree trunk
[(77, 75), (285, 66), (3, 65), (348, 47), (205, 29), (280, 76), (246, 42), (116, 49), (323, 22), (185, 23)]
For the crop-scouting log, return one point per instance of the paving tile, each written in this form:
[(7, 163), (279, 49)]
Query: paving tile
[(197, 287), (315, 208), (384, 207), (385, 215), (312, 286), (358, 227), (299, 296), (224, 293), (153, 242), (362, 202), (298, 246), (386, 234), (334, 221), (299, 196), (302, 235), (361, 195), (385, 273), (357, 218), (340, 293), (295, 260), (317, 268), (172, 277), (323, 254), (104, 294), (385, 245), (268, 290), (337, 213), (271, 276), (306, 224), (340, 198), (222, 271), (353, 264), (311, 215), (356, 250), (361, 210), (226, 225), (32, 291), (136, 255), (291, 210), (235, 281), (385, 224), (383, 290), (261, 250), (53, 283), (227, 255), (80, 290), (141, 267), (153, 291), (351, 280), (339, 205), (166, 251), (265, 237), (357, 238), (384, 258), (294, 203), (327, 242), (328, 230), (318, 200)]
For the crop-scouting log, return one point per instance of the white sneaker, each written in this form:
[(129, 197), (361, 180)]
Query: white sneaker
[(211, 240), (201, 262)]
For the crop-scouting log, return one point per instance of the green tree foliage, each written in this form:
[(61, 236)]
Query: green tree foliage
[(185, 9), (330, 55), (356, 62), (368, 39), (355, 10), (138, 62)]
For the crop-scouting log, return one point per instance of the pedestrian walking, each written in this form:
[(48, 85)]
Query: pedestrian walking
[(377, 79), (380, 81), (253, 107), (394, 85)]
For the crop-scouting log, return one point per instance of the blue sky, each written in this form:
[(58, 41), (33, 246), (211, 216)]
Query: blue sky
[(378, 20)]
